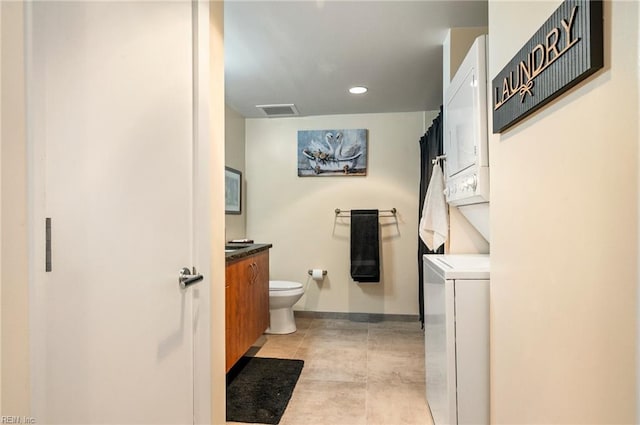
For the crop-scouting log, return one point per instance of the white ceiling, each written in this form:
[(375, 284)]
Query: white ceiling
[(310, 52)]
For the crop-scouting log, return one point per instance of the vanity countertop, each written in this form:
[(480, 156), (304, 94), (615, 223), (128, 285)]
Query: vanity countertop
[(241, 250)]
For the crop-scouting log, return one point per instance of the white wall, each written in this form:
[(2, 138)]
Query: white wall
[(296, 214), (1, 208), (235, 224), (15, 294), (564, 244)]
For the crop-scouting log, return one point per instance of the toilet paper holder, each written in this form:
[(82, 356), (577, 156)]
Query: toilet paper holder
[(324, 272)]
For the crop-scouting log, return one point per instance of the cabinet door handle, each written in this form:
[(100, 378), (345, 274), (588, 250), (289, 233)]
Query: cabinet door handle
[(255, 272), (252, 273)]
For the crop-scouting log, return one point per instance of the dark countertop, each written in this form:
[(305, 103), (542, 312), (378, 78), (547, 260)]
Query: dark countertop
[(244, 250)]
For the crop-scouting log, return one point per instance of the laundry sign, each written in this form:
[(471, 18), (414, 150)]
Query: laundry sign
[(564, 51)]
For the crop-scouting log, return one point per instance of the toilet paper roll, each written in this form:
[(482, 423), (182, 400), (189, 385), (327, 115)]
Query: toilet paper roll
[(316, 274)]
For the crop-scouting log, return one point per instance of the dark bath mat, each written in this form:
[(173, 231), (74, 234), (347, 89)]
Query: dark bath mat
[(259, 389)]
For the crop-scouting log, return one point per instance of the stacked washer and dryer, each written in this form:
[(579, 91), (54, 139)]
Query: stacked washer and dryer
[(456, 287)]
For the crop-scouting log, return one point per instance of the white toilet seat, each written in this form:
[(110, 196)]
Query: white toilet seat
[(288, 293), (283, 285)]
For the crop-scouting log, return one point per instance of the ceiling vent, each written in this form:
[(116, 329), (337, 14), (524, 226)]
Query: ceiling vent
[(283, 110)]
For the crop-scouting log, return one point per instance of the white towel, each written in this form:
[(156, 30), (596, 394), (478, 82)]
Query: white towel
[(434, 225)]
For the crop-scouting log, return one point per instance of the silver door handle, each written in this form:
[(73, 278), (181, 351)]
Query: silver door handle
[(185, 277)]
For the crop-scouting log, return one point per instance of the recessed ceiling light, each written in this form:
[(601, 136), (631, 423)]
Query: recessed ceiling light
[(358, 90)]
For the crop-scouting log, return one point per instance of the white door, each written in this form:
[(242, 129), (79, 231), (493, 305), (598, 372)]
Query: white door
[(110, 116)]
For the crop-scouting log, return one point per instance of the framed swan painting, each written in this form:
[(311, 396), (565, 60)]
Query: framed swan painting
[(323, 153)]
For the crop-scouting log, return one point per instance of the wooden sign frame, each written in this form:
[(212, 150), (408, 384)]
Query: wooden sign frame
[(564, 51)]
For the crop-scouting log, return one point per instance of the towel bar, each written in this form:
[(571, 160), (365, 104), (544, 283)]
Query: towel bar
[(392, 211)]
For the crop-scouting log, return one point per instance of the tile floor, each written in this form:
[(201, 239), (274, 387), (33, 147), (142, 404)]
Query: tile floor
[(354, 372)]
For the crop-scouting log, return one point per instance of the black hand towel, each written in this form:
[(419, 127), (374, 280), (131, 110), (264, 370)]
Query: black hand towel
[(365, 246)]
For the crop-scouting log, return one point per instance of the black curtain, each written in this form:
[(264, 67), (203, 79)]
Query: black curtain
[(431, 145)]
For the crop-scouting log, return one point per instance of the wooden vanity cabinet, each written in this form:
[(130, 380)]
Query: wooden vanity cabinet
[(247, 303)]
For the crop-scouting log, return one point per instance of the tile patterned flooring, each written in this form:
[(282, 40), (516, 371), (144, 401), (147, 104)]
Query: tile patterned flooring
[(354, 372)]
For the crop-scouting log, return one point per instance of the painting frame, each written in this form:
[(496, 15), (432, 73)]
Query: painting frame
[(232, 191), (332, 152)]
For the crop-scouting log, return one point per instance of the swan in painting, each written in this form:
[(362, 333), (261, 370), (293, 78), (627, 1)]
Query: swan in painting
[(324, 152), (329, 139), (345, 152)]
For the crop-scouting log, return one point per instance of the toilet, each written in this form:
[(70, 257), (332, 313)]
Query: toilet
[(282, 296)]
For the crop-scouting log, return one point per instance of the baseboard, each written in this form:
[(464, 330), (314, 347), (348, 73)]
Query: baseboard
[(357, 317)]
